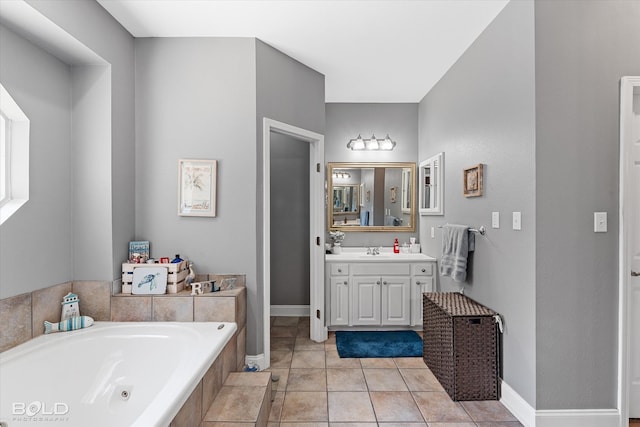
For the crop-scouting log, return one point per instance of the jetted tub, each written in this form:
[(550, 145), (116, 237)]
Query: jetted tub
[(111, 374)]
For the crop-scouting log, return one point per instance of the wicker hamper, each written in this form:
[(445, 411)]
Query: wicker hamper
[(460, 345)]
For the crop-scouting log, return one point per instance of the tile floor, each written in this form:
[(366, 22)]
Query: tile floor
[(317, 388)]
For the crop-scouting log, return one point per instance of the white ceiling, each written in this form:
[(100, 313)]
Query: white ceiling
[(368, 50)]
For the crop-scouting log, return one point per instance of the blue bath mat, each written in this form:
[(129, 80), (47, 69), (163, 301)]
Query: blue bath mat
[(367, 344)]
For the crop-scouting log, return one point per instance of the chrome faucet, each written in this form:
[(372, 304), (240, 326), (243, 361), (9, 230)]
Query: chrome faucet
[(373, 251)]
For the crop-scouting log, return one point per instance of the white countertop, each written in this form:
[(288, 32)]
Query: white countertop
[(353, 254)]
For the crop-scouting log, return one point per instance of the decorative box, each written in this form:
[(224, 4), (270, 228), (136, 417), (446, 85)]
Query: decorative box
[(176, 275)]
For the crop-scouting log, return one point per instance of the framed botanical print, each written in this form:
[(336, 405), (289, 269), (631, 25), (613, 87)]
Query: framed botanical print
[(197, 187)]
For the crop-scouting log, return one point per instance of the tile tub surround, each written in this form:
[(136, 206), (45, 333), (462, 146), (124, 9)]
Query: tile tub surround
[(201, 399), (21, 316), (15, 321)]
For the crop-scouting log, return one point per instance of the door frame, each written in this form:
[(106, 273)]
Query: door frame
[(624, 331), (318, 331)]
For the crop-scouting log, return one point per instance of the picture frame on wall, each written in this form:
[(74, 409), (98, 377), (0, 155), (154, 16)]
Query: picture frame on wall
[(197, 187), (472, 181)]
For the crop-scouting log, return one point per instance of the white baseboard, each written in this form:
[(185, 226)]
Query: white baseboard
[(519, 407), (290, 310), (256, 360), (578, 418), (529, 417)]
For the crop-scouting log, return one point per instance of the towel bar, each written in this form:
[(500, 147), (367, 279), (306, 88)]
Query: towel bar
[(482, 230)]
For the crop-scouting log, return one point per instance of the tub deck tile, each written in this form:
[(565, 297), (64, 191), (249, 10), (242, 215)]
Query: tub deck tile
[(236, 404), (244, 400), (252, 379)]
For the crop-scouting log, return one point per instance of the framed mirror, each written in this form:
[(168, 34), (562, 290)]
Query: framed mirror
[(431, 185), (371, 196)]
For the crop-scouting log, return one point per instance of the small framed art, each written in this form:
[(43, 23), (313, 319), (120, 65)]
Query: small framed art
[(197, 187), (149, 280), (472, 181)]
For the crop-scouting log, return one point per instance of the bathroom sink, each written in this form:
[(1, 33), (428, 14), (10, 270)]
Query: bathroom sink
[(356, 254)]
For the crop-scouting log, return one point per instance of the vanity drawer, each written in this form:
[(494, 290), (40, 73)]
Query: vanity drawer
[(422, 269), (385, 269), (339, 269)]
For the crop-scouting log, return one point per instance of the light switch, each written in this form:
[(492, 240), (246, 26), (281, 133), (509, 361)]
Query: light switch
[(433, 232), (517, 221), (495, 219), (600, 222)]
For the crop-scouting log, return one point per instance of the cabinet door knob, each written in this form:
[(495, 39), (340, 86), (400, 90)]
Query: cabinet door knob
[(378, 282), (345, 282), (635, 273), (424, 270), (418, 282), (384, 283), (339, 270)]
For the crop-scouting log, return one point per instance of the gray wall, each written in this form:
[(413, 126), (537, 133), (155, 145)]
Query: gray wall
[(91, 180), (290, 92), (72, 106), (290, 265), (91, 25), (205, 98), (195, 99), (482, 111), (582, 51), (345, 121), (80, 216), (36, 242)]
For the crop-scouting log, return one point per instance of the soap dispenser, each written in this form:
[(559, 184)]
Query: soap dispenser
[(396, 247)]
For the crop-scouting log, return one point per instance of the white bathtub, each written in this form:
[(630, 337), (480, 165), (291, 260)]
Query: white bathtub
[(111, 374)]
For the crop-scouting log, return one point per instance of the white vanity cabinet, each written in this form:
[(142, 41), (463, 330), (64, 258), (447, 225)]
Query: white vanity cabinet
[(339, 290), (380, 300), (377, 290), (422, 277), (365, 301)]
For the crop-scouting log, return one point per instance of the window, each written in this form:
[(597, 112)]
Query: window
[(14, 156), (4, 164)]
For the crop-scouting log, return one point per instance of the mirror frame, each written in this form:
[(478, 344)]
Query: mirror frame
[(359, 228)]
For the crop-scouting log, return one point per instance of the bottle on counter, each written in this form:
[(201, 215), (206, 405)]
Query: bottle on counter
[(396, 247), (177, 259)]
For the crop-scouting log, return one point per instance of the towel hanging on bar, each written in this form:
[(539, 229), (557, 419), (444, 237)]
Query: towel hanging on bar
[(457, 242)]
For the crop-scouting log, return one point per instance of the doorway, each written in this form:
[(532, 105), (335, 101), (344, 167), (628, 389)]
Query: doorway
[(629, 271), (318, 331), (290, 277)]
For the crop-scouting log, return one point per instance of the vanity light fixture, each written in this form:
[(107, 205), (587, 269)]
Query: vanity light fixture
[(371, 144), (343, 175), (356, 144)]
